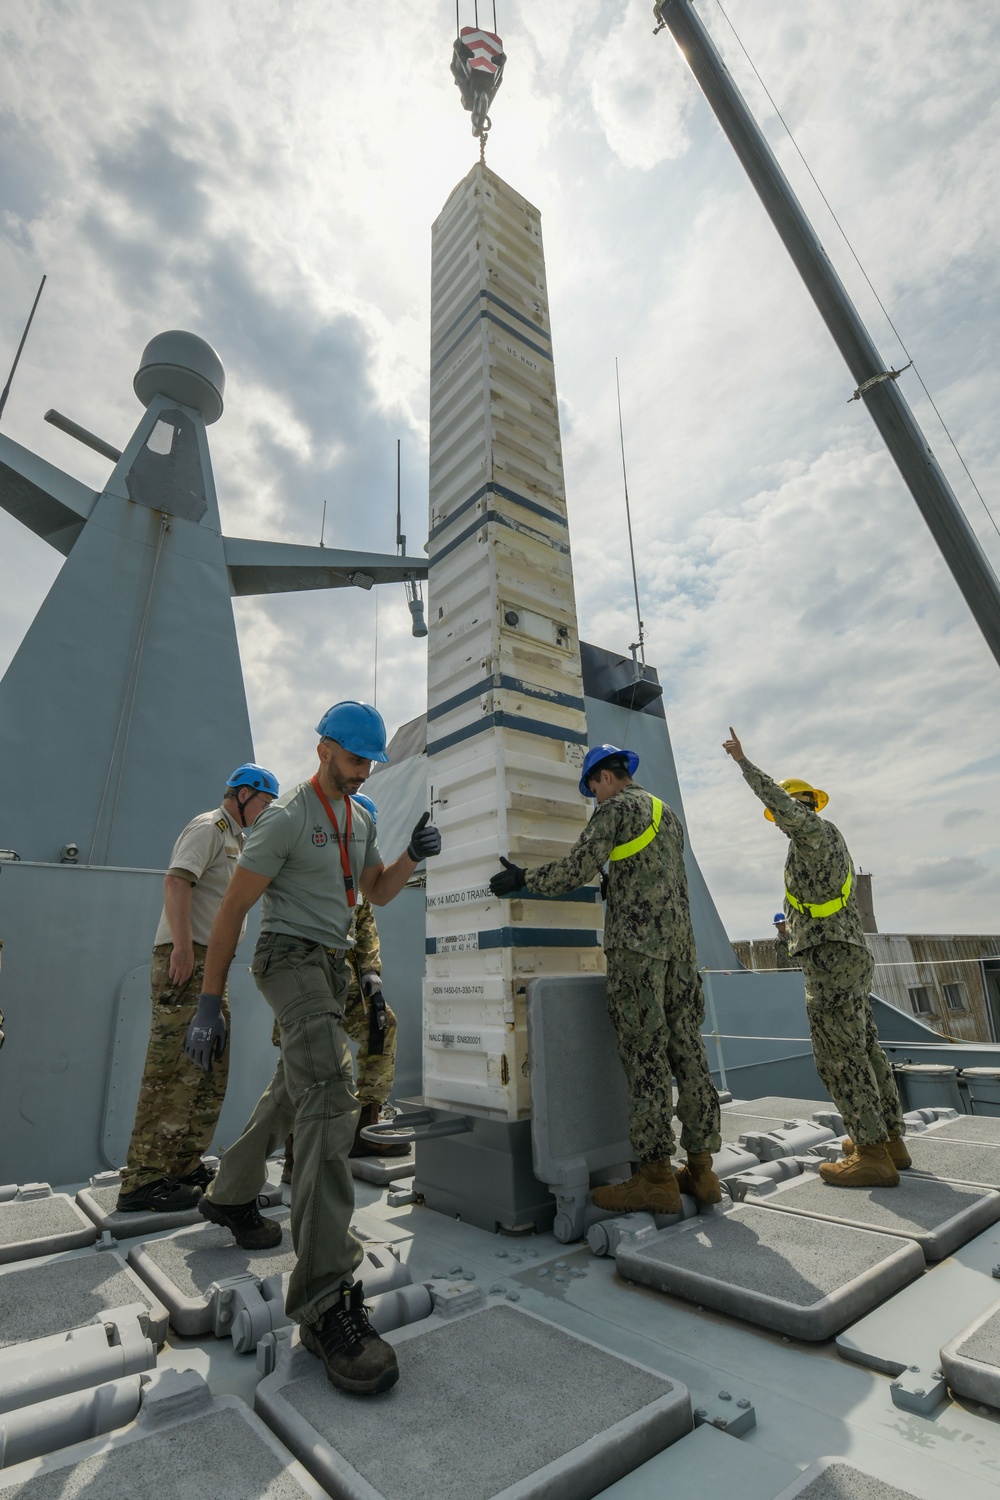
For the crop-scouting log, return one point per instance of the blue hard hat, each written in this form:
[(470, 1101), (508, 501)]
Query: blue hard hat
[(356, 726), (367, 804), (779, 916), (595, 755), (255, 776)]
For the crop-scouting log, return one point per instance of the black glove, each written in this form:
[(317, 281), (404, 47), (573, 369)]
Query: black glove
[(206, 1036), (425, 840), (510, 879)]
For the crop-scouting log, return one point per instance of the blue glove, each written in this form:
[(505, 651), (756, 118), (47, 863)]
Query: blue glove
[(206, 1036), (425, 840)]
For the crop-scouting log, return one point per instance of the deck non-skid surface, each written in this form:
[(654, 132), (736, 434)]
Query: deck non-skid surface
[(480, 1404), (777, 1108), (214, 1457), (845, 1482), (38, 1300), (792, 1259), (917, 1208), (40, 1219), (983, 1128), (984, 1344), (192, 1259), (955, 1159)]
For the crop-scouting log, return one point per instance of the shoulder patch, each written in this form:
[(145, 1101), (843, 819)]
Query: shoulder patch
[(221, 823)]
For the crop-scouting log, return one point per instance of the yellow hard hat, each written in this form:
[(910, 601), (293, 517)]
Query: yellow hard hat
[(791, 785)]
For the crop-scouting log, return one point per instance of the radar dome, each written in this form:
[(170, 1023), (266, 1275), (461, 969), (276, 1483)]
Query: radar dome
[(185, 368)]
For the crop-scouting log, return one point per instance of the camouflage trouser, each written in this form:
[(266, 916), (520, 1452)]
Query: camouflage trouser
[(657, 1009), (179, 1103), (375, 1070), (312, 1093), (854, 1069)]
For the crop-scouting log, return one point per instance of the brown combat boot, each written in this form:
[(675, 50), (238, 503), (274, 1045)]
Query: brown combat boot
[(900, 1156), (698, 1179), (652, 1190), (387, 1146), (870, 1166)]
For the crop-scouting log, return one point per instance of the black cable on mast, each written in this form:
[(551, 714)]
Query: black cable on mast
[(641, 642), (6, 390)]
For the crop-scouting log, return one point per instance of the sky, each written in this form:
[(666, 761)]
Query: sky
[(265, 174)]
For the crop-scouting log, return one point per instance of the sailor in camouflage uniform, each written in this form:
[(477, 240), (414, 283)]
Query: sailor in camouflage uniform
[(655, 997), (781, 956), (827, 940), (179, 1105)]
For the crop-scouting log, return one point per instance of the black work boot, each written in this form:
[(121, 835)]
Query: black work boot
[(165, 1196), (387, 1146), (244, 1222), (356, 1359), (200, 1177)]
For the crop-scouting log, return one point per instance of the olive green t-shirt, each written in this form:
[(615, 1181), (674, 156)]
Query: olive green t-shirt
[(293, 843)]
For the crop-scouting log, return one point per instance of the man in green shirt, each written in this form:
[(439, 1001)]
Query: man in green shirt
[(828, 942), (308, 859)]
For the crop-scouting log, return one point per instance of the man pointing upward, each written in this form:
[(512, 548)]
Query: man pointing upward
[(827, 939)]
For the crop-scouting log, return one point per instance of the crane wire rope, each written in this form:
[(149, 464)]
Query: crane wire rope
[(860, 267)]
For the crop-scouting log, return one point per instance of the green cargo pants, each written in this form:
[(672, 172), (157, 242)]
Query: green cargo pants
[(657, 1009), (179, 1104), (854, 1069), (375, 1069), (312, 1094)]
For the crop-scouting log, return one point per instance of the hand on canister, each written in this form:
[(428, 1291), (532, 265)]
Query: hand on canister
[(425, 840), (732, 746), (508, 880), (371, 983), (206, 1036)]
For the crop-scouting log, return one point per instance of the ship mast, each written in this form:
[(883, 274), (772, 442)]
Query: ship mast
[(877, 385)]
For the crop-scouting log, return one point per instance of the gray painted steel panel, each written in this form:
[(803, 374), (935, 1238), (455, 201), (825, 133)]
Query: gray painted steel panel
[(78, 1018), (446, 1433), (971, 1360), (807, 1281), (578, 1089), (708, 1464), (910, 1329), (939, 1216), (42, 1226), (38, 1300)]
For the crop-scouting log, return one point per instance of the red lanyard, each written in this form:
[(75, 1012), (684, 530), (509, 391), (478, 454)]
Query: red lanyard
[(343, 842)]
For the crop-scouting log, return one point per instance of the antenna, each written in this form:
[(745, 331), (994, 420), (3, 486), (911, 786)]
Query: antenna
[(322, 527), (638, 646), (17, 356)]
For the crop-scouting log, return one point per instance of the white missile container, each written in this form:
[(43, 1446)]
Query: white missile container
[(506, 725)]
